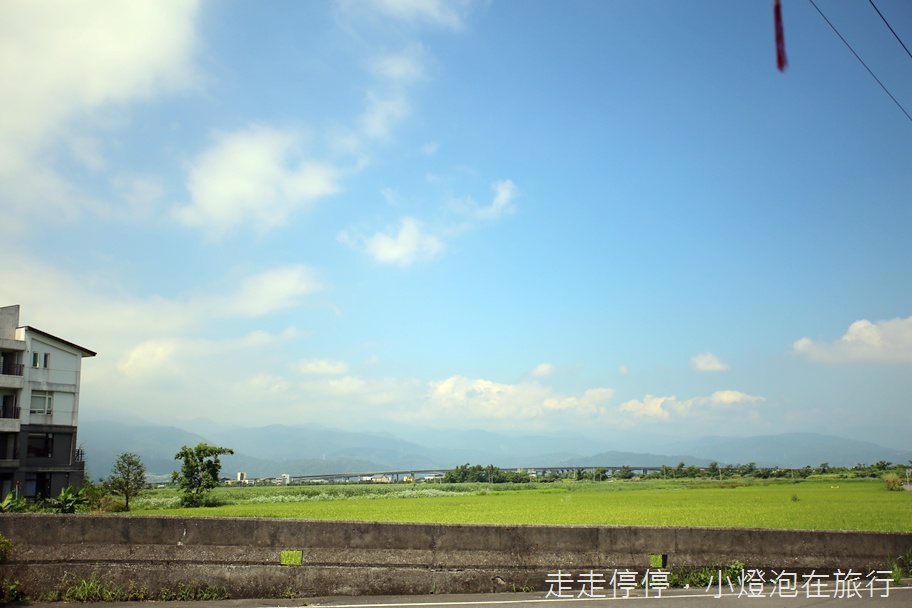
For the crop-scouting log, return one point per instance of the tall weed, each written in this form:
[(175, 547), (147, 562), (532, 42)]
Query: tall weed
[(705, 575)]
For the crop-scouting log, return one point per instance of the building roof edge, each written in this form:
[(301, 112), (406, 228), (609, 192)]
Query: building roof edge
[(85, 351)]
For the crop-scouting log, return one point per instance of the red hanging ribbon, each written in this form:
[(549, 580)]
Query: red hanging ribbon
[(781, 60)]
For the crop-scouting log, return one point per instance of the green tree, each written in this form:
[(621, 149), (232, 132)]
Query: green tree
[(882, 465), (199, 473), (624, 472), (748, 470), (128, 477)]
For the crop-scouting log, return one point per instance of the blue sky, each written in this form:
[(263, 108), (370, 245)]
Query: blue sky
[(509, 215)]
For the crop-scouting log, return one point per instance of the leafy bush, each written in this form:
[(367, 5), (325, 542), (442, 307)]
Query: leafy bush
[(11, 593), (892, 482), (67, 501), (6, 545), (12, 504), (901, 566), (111, 504), (93, 589)]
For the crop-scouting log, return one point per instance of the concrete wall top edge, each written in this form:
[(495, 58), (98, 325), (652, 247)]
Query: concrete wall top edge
[(203, 519)]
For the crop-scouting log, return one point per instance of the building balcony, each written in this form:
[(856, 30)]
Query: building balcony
[(9, 419), (13, 382), (9, 463), (11, 375), (12, 344), (12, 369), (34, 465)]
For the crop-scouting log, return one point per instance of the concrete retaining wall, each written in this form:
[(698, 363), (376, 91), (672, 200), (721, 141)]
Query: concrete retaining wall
[(243, 555)]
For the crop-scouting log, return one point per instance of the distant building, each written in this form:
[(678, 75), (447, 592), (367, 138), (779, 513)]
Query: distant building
[(39, 410)]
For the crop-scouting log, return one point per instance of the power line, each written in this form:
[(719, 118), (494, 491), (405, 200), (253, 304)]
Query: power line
[(895, 35), (899, 105)]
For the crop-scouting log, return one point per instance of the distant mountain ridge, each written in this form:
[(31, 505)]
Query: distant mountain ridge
[(271, 450)]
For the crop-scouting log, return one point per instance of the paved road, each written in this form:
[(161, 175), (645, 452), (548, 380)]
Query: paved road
[(898, 597)]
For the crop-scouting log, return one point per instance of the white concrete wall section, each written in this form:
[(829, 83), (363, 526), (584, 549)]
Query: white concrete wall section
[(48, 362), (64, 412)]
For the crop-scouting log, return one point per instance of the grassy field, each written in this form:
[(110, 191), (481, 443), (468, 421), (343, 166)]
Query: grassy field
[(810, 505)]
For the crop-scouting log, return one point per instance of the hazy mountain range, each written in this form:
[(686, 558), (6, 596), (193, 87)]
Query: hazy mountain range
[(271, 450)]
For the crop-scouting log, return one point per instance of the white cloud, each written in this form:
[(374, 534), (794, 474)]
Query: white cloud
[(387, 107), (505, 192), (884, 341), (729, 397), (358, 396), (150, 356), (441, 13), (484, 402), (268, 384), (649, 407), (623, 370), (409, 244), (694, 409), (404, 67), (57, 60), (321, 367), (267, 292), (167, 354), (591, 403), (383, 112), (142, 193), (133, 334), (253, 176), (182, 357), (542, 370), (707, 362), (62, 61)]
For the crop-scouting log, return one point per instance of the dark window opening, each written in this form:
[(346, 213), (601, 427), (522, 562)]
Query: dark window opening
[(40, 445)]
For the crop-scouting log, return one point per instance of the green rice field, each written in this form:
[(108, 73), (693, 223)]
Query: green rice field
[(810, 504)]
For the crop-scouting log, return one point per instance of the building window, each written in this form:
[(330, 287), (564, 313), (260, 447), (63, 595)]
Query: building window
[(42, 402), (40, 445), (47, 360), (34, 359), (30, 486)]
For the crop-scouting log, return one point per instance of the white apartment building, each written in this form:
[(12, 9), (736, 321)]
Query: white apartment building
[(39, 410)]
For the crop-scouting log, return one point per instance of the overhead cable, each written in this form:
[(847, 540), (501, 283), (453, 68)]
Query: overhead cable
[(899, 105), (895, 35)]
